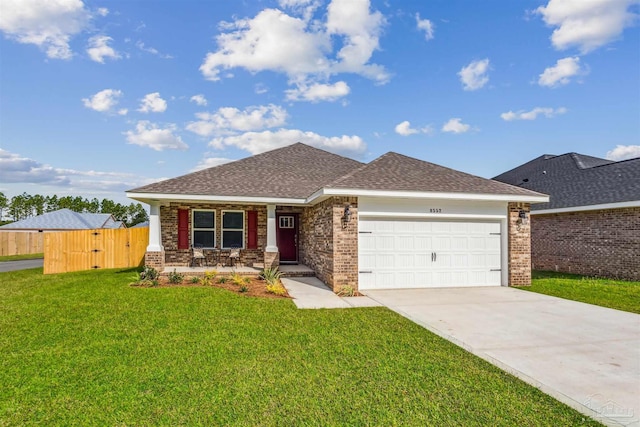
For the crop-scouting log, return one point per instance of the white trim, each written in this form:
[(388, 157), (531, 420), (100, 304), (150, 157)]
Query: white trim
[(619, 205), (222, 229), (504, 251), (327, 192), (429, 216), (272, 245), (193, 227), (147, 197)]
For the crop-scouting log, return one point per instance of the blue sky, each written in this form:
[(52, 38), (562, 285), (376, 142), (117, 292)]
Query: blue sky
[(97, 97)]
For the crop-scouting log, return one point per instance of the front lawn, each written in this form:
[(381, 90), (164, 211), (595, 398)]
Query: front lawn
[(20, 257), (87, 349), (618, 294)]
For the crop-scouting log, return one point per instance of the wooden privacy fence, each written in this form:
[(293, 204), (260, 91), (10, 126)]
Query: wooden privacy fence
[(21, 242), (93, 249)]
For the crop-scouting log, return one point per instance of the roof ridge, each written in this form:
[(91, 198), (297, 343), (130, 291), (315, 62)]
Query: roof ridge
[(80, 216)]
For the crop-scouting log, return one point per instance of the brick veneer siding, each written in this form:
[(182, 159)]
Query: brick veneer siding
[(519, 245), (603, 243), (155, 260), (182, 257), (330, 249)]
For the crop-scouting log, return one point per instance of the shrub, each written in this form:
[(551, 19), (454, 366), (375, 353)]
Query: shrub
[(239, 280), (209, 277), (175, 277), (194, 279), (244, 288), (222, 280), (346, 291), (149, 273), (276, 289), (271, 275)]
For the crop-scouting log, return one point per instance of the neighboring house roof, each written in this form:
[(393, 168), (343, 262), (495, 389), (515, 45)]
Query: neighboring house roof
[(576, 180), (65, 219), (396, 172), (305, 173), (140, 224)]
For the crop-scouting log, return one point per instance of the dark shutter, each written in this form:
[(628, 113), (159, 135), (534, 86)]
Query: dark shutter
[(183, 228), (252, 230)]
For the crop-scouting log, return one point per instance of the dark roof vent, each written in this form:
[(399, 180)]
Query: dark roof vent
[(525, 180)]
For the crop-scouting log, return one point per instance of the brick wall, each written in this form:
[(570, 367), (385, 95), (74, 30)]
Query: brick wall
[(330, 249), (169, 229), (602, 243), (519, 245)]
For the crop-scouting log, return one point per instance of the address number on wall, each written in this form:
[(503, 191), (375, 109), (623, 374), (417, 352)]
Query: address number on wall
[(435, 210)]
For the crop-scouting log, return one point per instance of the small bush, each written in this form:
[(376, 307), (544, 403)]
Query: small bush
[(194, 279), (222, 280), (276, 289), (271, 275), (175, 277), (244, 288), (239, 280), (346, 291), (211, 275), (149, 273)]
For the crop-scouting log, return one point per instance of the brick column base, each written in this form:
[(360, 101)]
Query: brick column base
[(271, 259), (519, 245), (155, 260)]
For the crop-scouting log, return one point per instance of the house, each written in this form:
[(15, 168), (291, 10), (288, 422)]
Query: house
[(591, 225), (64, 220), (397, 222)]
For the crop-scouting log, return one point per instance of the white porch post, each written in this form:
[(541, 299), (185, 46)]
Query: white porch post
[(272, 246), (155, 241)]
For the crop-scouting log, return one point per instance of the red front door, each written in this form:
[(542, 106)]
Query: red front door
[(287, 237)]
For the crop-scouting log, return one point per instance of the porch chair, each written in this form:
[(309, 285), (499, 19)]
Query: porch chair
[(234, 256), (197, 256)]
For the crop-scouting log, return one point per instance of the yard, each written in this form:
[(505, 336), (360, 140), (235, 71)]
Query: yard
[(618, 294), (87, 349)]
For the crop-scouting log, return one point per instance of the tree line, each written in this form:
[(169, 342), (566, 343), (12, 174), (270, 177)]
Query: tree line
[(25, 206)]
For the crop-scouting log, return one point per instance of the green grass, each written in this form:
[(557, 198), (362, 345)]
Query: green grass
[(20, 257), (86, 349), (618, 294)]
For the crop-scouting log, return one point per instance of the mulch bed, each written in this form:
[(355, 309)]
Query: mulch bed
[(255, 286)]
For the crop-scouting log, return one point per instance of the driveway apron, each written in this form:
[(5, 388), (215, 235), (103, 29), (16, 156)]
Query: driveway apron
[(583, 355)]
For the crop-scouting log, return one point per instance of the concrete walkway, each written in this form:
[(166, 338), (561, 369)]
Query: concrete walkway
[(310, 292), (20, 265), (583, 355)]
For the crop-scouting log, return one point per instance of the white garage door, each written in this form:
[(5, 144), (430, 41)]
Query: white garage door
[(399, 253)]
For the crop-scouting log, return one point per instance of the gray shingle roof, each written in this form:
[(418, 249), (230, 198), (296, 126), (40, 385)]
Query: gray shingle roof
[(396, 172), (65, 219), (574, 179), (295, 171)]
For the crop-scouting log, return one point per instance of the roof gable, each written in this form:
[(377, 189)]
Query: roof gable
[(295, 171), (574, 180), (396, 172)]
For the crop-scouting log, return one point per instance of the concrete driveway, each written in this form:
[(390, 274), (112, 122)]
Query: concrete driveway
[(583, 355), (20, 265)]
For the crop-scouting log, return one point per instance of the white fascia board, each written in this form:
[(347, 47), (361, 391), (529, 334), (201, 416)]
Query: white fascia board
[(427, 215), (155, 197), (619, 205), (328, 192)]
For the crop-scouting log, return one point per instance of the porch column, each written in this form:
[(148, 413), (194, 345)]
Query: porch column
[(272, 246), (155, 241)]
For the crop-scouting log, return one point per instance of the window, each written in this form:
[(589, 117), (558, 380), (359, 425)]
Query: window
[(232, 229), (204, 228), (286, 222)]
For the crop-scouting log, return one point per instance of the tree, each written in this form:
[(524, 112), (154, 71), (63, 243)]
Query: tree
[(4, 204)]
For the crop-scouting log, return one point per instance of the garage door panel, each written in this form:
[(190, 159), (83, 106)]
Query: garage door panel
[(403, 253)]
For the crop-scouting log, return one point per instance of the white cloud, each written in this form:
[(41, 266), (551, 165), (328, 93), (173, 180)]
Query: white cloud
[(405, 129), (474, 76), (152, 103), (17, 169), (259, 142), (455, 125), (533, 114), (211, 162), (103, 11), (561, 73), (199, 99), (228, 120), (587, 24), (299, 46), (104, 101), (140, 45), (150, 135), (425, 25), (99, 49), (624, 152), (318, 92), (261, 88), (48, 24)]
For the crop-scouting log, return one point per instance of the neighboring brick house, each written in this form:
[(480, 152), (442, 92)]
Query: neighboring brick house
[(396, 222), (591, 225)]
